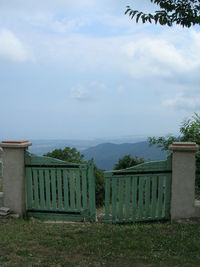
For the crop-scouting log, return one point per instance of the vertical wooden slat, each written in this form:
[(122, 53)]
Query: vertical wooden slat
[(140, 202), (154, 198), (91, 181), (134, 197), (167, 196), (47, 189), (53, 189), (160, 196), (41, 186), (93, 193), (107, 199), (147, 197), (66, 190), (78, 191), (120, 206), (84, 189), (72, 203), (36, 194), (59, 188), (114, 198), (127, 199), (29, 188)]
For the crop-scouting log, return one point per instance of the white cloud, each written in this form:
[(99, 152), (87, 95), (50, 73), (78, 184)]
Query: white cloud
[(79, 93), (88, 92), (183, 102), (162, 57), (11, 48), (65, 25)]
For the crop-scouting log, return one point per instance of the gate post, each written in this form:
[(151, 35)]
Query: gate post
[(183, 180), (14, 195)]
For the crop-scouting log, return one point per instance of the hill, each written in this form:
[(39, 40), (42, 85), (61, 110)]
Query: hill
[(107, 154)]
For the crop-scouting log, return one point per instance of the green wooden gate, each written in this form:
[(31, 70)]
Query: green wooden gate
[(59, 190), (140, 193)]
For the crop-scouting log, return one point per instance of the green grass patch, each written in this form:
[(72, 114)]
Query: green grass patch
[(33, 243)]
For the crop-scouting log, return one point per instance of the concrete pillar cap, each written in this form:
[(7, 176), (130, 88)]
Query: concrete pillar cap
[(15, 144), (184, 146)]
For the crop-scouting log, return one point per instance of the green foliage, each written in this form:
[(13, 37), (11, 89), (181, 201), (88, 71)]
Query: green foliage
[(67, 154), (127, 162), (163, 142), (189, 132), (183, 12), (72, 155)]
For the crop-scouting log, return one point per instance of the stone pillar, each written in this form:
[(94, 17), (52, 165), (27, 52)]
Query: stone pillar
[(183, 180), (14, 175)]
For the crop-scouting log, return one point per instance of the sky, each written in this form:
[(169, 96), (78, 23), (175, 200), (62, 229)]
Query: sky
[(83, 70)]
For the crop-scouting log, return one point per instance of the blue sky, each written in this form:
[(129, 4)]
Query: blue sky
[(82, 70)]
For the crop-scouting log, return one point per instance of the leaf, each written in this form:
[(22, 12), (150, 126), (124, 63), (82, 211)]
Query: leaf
[(138, 16)]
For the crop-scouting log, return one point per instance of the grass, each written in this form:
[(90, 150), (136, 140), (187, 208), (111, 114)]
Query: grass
[(32, 243)]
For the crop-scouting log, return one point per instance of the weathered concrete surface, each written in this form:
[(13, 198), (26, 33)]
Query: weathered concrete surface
[(14, 176), (183, 180)]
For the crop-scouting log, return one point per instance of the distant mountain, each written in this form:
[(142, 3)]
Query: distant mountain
[(107, 155), (40, 147)]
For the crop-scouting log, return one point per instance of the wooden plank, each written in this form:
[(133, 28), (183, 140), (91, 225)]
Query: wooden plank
[(160, 165), (78, 190), (84, 189), (167, 196), (31, 159), (93, 194), (160, 196), (154, 197), (47, 189), (147, 197), (29, 188), (36, 194), (91, 181), (72, 202), (41, 189), (141, 194), (120, 206), (134, 197), (59, 189), (127, 199), (114, 198), (107, 200), (53, 189), (66, 190)]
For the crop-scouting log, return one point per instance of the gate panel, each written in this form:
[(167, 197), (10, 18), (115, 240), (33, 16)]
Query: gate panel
[(140, 193), (55, 187)]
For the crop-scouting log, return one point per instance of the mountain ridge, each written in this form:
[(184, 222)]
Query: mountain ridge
[(106, 155)]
